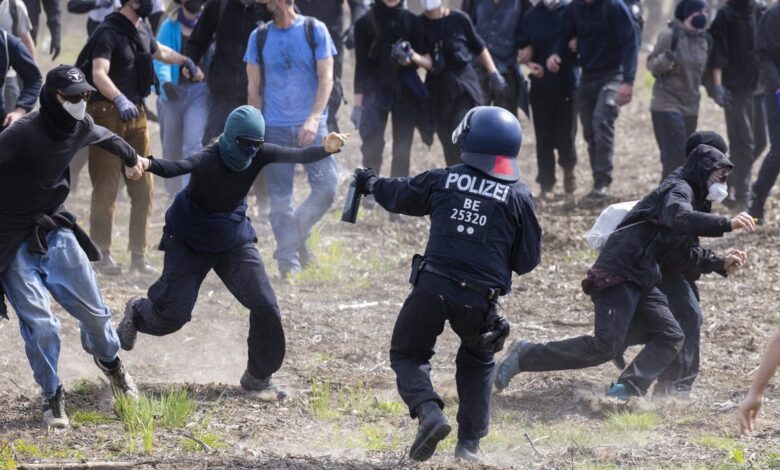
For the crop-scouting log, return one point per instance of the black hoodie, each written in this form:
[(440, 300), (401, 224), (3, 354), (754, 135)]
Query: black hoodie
[(671, 216), (734, 44)]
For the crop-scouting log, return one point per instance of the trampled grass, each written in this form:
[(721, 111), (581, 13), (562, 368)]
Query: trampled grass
[(140, 418)]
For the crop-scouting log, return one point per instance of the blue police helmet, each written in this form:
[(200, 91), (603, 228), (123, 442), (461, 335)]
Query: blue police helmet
[(490, 138)]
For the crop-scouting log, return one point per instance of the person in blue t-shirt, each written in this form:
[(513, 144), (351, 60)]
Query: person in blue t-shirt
[(290, 80)]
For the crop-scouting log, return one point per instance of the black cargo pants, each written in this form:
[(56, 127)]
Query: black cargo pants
[(432, 302), (172, 298), (616, 308)]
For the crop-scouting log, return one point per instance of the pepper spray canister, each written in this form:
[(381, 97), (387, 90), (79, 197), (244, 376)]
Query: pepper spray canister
[(352, 204)]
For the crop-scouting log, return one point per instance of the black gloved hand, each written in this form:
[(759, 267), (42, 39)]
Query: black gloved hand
[(171, 91), (721, 95), (497, 84), (56, 42), (365, 178), (402, 52)]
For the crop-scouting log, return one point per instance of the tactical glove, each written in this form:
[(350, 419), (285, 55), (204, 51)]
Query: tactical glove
[(496, 84), (365, 178), (127, 110), (402, 52), (721, 95), (171, 91), (356, 116)]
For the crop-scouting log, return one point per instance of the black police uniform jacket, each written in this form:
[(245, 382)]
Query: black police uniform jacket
[(667, 223), (481, 229)]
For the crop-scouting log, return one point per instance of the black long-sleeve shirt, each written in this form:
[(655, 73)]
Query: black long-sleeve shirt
[(734, 44), (217, 188), (35, 175), (768, 48), (541, 29), (481, 229)]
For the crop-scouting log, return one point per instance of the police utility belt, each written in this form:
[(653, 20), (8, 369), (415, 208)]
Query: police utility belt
[(494, 330), (419, 266)]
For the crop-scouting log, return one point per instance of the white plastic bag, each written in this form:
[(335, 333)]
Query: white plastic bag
[(607, 222)]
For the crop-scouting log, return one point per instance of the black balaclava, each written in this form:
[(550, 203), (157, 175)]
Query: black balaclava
[(741, 6), (385, 12), (59, 124)]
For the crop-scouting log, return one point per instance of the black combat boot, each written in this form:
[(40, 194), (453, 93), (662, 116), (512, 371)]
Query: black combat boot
[(433, 427), (468, 450)]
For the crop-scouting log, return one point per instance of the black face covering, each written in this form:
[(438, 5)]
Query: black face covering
[(193, 6), (741, 5), (384, 11), (144, 8), (59, 123)]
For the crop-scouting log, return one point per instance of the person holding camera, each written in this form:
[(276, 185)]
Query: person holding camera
[(483, 228), (389, 47), (453, 82)]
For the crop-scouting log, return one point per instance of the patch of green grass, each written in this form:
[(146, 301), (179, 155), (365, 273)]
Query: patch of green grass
[(770, 460), (377, 439), (628, 421), (594, 466), (85, 387), (336, 262), (776, 321), (320, 402), (580, 256), (720, 443), (389, 408), (212, 440), (140, 418), (329, 401), (88, 418), (20, 449)]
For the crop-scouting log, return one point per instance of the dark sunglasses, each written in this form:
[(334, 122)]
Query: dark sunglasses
[(76, 98), (248, 141)]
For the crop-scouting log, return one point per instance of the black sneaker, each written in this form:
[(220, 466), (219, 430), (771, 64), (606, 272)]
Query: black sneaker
[(126, 329), (54, 410), (262, 389), (432, 429), (121, 381), (108, 265), (569, 180), (468, 450), (598, 193)]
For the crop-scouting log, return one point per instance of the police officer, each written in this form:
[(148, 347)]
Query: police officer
[(483, 227)]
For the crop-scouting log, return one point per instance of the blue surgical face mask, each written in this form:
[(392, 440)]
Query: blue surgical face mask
[(249, 150), (699, 21)]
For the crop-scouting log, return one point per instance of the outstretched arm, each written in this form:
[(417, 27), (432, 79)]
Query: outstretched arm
[(107, 140), (271, 153), (748, 411)]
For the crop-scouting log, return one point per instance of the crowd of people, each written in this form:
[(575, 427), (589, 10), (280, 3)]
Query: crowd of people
[(248, 89)]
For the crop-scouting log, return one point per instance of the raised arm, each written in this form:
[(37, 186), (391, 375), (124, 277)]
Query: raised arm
[(271, 153), (170, 168)]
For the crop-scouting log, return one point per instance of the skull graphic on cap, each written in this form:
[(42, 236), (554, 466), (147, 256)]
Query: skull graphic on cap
[(75, 75)]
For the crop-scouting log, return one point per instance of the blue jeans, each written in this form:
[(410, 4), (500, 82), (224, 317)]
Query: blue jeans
[(292, 227), (182, 123), (65, 272)]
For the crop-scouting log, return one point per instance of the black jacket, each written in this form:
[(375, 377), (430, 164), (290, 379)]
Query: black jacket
[(665, 222), (768, 48), (19, 59), (331, 12), (481, 229), (227, 23), (52, 9), (734, 44)]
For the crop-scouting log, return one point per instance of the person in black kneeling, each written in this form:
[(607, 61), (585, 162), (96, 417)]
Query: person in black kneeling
[(483, 227), (207, 228), (453, 82)]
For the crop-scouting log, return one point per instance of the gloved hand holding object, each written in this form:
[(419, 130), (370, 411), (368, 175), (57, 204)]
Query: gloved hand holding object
[(496, 84), (402, 52)]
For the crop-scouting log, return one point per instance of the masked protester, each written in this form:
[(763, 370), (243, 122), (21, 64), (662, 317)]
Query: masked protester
[(43, 251), (768, 48), (452, 82), (683, 261), (499, 24), (605, 35), (552, 94), (117, 60), (207, 228), (734, 66), (483, 228), (389, 48), (98, 10), (225, 25), (183, 103), (677, 62), (623, 282)]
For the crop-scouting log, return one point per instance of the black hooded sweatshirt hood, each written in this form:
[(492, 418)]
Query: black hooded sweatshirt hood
[(699, 166)]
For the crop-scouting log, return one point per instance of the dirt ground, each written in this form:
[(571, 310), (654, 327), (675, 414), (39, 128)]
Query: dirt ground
[(344, 411)]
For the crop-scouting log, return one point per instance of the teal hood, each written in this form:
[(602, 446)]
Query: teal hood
[(244, 121)]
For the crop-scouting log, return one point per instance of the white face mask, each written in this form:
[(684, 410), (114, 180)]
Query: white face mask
[(430, 4), (77, 110), (718, 192)]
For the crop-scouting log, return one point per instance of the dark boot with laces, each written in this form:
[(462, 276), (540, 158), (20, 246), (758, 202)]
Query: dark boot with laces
[(126, 330), (54, 410), (121, 381), (432, 428)]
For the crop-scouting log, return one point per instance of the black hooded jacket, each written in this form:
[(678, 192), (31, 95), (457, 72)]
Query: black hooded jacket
[(734, 44), (667, 222)]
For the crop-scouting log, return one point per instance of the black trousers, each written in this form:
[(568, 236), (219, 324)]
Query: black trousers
[(671, 133), (431, 303), (746, 129), (555, 125), (770, 168), (616, 308), (220, 106), (171, 299), (598, 112), (372, 130), (446, 124)]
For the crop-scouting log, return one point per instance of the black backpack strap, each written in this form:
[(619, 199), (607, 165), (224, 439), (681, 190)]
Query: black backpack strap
[(262, 35), (676, 33), (308, 26), (7, 57)]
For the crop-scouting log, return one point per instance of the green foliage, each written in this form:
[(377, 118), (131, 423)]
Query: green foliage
[(320, 401), (84, 387), (337, 263), (212, 440), (88, 418), (329, 401), (10, 451), (140, 418), (628, 421)]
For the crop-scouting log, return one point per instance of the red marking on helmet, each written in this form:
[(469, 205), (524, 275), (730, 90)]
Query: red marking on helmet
[(503, 165)]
